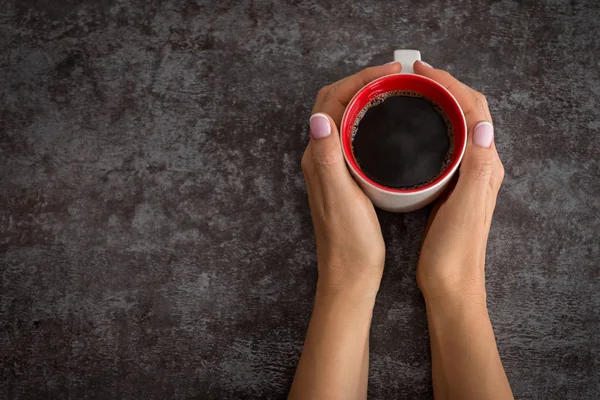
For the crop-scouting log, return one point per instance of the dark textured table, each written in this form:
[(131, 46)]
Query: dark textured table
[(155, 238)]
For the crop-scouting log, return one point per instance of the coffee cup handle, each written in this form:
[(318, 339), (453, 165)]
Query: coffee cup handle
[(407, 58)]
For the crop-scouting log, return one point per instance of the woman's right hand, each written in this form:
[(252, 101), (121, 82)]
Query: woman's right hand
[(453, 255), (464, 356)]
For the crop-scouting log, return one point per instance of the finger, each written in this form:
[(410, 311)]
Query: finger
[(480, 153), (439, 203), (327, 158), (312, 188), (478, 170), (475, 184), (473, 103), (346, 88), (461, 92), (495, 182), (445, 194), (326, 151), (333, 99)]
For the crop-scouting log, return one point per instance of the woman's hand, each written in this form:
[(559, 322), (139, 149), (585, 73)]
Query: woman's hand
[(350, 248), (453, 255), (350, 252), (465, 360)]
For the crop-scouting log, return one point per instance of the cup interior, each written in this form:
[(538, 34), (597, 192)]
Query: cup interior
[(427, 88)]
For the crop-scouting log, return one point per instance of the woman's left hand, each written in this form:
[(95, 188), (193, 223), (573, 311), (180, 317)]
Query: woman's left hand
[(350, 247), (350, 253)]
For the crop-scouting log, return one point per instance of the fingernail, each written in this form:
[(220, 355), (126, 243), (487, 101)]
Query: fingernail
[(483, 134), (319, 126), (390, 63), (425, 64)]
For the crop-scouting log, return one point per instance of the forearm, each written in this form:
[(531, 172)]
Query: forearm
[(334, 361), (465, 360)]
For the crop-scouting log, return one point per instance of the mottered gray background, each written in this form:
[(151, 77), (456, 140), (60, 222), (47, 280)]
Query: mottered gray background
[(155, 237)]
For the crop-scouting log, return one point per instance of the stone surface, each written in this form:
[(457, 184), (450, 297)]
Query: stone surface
[(155, 238)]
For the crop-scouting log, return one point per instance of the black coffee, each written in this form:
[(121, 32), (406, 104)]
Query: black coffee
[(402, 140)]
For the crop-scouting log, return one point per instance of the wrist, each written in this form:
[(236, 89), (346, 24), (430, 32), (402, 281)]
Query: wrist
[(345, 306), (353, 294), (454, 283), (456, 303), (356, 284), (456, 295)]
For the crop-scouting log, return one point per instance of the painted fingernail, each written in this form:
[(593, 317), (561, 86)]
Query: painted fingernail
[(319, 126), (425, 64), (483, 134)]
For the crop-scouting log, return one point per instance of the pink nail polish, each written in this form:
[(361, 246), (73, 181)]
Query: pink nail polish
[(319, 126), (483, 134)]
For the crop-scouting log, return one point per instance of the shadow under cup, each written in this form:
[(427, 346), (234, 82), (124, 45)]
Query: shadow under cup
[(423, 86)]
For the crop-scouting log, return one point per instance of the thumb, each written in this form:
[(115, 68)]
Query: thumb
[(481, 171), (326, 149), (478, 164)]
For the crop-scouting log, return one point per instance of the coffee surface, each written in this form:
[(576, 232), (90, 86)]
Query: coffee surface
[(402, 141)]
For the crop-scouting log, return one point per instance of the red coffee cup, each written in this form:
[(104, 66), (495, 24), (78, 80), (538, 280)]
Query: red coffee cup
[(400, 200)]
